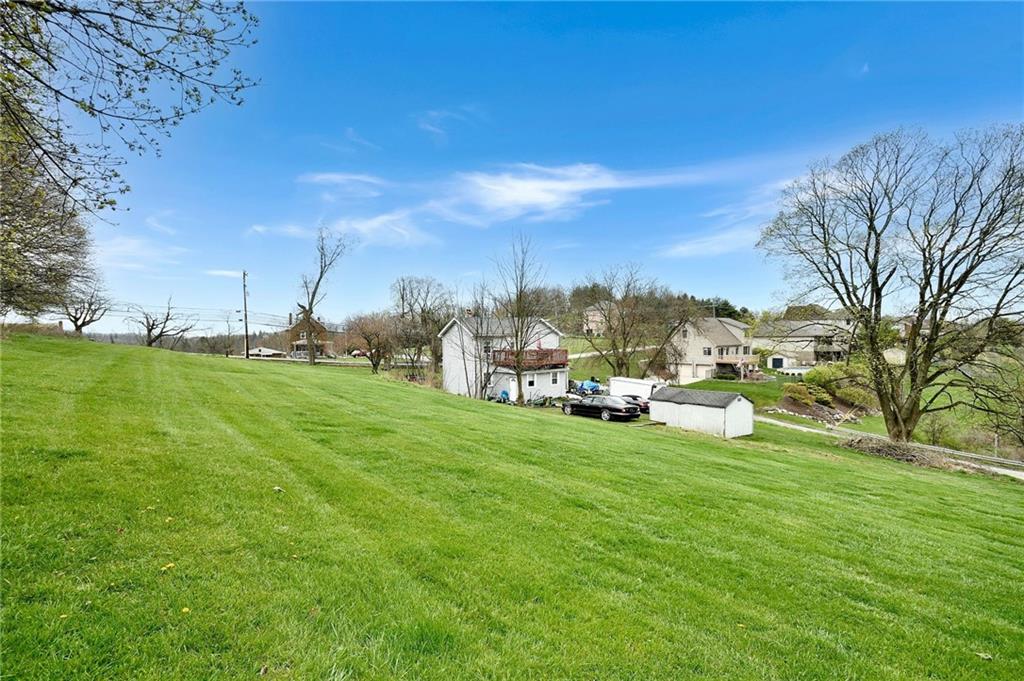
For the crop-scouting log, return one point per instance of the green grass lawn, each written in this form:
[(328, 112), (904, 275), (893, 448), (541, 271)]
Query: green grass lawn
[(575, 344), (762, 394), (426, 536), (584, 367)]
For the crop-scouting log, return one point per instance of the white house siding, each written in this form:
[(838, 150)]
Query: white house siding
[(459, 372), (542, 385)]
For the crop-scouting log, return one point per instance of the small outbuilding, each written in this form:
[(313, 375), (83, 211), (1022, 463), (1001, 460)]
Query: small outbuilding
[(265, 352), (722, 414)]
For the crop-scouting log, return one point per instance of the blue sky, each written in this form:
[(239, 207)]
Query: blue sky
[(608, 133)]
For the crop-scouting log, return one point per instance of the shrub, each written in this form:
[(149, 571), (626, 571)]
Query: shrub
[(725, 376), (861, 398), (798, 392), (820, 395)]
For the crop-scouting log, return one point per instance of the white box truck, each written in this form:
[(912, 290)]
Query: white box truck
[(620, 385)]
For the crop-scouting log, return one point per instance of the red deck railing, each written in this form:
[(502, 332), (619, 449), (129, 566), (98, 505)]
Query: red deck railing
[(532, 359)]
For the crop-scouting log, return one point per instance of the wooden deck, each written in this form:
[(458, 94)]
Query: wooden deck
[(532, 359)]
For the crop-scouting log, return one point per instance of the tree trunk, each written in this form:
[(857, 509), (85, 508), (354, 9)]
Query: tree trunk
[(520, 396), (310, 340)]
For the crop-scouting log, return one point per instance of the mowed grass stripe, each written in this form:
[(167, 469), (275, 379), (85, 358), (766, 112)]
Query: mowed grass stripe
[(440, 537)]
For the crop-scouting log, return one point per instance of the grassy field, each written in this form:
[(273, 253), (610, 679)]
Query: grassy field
[(426, 536)]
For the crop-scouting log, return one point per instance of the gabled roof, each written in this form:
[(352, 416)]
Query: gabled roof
[(490, 327), (721, 330), (792, 328), (703, 398)]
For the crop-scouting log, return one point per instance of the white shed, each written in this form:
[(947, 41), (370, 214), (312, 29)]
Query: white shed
[(620, 385), (718, 413)]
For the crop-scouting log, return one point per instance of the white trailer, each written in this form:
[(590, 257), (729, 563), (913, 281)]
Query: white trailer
[(620, 385)]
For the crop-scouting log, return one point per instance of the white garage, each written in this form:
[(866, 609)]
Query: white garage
[(718, 413)]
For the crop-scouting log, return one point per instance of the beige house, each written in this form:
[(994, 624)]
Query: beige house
[(595, 320), (794, 343), (708, 346)]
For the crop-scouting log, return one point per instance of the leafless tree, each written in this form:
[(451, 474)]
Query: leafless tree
[(163, 326), (86, 305), (375, 335), (639, 319), (473, 338), (519, 278), (907, 226), (998, 390), (423, 306), (330, 249)]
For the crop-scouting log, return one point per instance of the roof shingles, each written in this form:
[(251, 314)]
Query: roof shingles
[(703, 398)]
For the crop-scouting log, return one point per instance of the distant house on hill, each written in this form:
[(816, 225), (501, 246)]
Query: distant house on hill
[(708, 346), (299, 344), (595, 319), (717, 413), (790, 342), (478, 360)]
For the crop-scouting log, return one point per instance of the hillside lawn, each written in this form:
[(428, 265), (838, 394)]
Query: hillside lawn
[(427, 536)]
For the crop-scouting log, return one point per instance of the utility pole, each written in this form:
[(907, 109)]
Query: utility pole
[(245, 311)]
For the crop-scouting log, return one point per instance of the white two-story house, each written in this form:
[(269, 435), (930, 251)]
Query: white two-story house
[(477, 359), (710, 345)]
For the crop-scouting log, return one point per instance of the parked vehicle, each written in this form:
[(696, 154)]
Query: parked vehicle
[(607, 408), (643, 403)]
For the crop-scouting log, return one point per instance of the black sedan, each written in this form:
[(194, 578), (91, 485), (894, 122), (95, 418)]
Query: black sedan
[(607, 408), (645, 406)]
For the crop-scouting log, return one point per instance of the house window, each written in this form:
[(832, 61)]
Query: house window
[(302, 335), (487, 349), (554, 378), (721, 352), (530, 381), (707, 351), (684, 333), (746, 349)]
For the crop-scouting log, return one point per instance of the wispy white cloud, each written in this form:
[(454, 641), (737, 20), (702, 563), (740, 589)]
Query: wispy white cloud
[(289, 230), (231, 274), (538, 193), (734, 226), (157, 224), (714, 243), (394, 228), (352, 185), (355, 138), (437, 122), (135, 253)]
